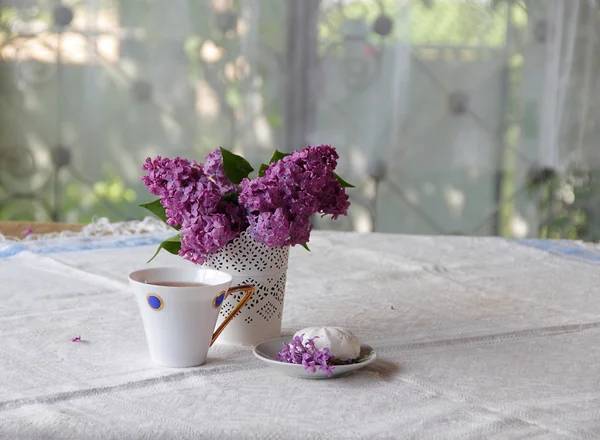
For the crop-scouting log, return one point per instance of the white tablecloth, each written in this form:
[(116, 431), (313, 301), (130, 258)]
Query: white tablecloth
[(478, 338)]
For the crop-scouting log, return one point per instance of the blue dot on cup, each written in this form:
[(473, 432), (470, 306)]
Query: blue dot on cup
[(219, 299), (155, 302)]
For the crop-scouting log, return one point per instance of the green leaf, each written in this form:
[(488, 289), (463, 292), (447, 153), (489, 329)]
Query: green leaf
[(343, 183), (235, 167), (231, 197), (305, 246), (345, 362), (261, 170), (158, 210), (277, 155), (171, 245)]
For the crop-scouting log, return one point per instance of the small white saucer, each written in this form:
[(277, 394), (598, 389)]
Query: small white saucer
[(267, 352)]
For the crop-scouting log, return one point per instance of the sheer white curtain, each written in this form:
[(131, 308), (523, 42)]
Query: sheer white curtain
[(563, 20), (440, 109), (556, 112)]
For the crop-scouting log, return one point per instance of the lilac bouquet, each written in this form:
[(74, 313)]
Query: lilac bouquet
[(212, 203)]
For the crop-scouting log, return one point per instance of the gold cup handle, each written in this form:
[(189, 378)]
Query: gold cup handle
[(248, 292)]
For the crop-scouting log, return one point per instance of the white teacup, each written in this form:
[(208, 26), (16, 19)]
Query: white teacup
[(179, 309)]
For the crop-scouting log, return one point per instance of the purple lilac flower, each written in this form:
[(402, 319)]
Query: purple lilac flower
[(193, 201), (183, 188), (280, 203), (298, 352), (213, 168), (206, 235)]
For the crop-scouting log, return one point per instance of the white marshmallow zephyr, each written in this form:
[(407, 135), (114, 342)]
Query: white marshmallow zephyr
[(341, 342)]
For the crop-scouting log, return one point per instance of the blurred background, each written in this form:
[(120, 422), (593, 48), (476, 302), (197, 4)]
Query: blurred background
[(475, 117)]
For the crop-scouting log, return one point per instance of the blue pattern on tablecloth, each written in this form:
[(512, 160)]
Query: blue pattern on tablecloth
[(92, 243), (565, 248)]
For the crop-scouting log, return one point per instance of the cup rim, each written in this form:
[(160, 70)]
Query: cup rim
[(137, 276)]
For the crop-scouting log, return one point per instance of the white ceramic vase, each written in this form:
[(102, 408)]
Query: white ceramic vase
[(251, 262)]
